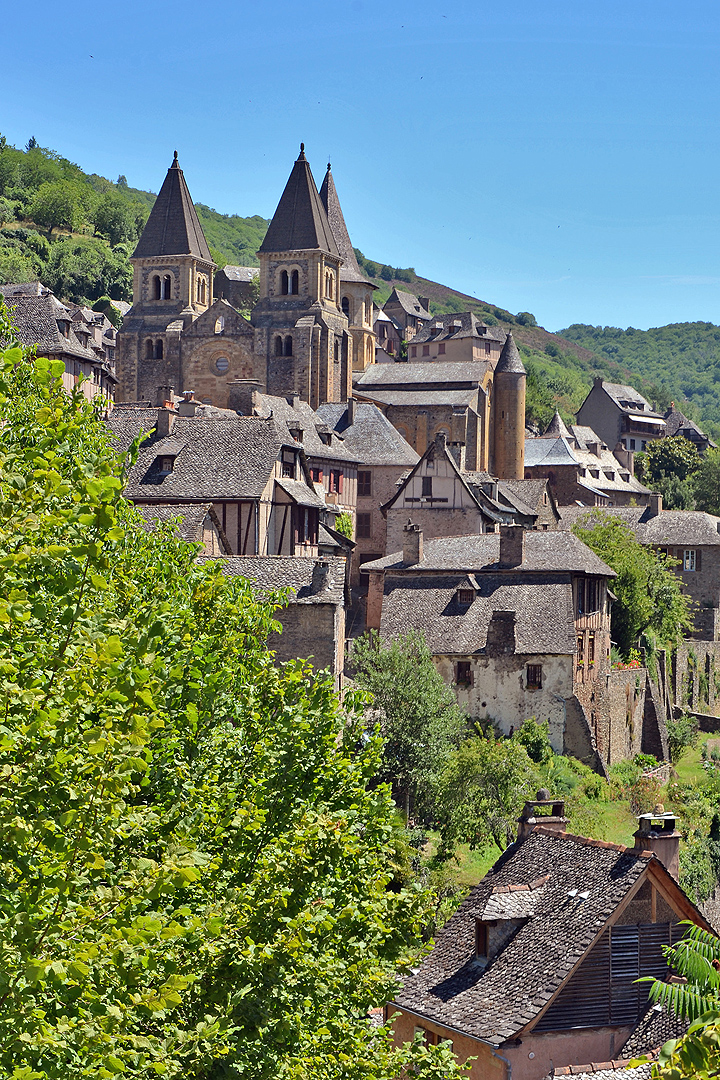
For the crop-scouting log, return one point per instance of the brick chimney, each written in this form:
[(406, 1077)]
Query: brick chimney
[(501, 634), (165, 422), (655, 504), (542, 811), (412, 544), (657, 832), (512, 545)]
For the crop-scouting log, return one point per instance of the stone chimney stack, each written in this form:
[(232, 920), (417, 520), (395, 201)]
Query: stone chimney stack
[(512, 546), (412, 544), (542, 811), (165, 422), (351, 403), (424, 302), (189, 404), (655, 504), (657, 832), (501, 634), (320, 576), (242, 395)]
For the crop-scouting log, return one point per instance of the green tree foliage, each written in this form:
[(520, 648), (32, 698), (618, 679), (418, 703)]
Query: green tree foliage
[(115, 219), (16, 266), (706, 483), (668, 466), (194, 871), (649, 599), (420, 720), (682, 734), (525, 318), (344, 525), (481, 791), (88, 268), (696, 1056), (61, 204)]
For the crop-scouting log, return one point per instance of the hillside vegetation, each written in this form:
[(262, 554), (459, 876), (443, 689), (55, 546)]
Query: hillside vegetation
[(75, 232)]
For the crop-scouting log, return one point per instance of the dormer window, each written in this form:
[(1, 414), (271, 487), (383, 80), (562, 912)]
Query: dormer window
[(166, 464), (481, 939), (288, 464), (465, 597)]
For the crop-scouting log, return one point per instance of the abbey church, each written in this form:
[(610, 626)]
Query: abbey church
[(311, 332)]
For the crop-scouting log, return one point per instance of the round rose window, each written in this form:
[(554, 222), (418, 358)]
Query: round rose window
[(222, 364)]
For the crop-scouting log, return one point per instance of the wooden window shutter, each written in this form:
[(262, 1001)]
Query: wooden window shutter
[(698, 559), (340, 483)]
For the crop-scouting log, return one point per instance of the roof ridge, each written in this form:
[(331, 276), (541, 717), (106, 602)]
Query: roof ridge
[(588, 841), (173, 227), (300, 222)]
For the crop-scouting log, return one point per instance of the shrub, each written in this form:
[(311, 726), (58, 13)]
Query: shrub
[(682, 734), (644, 794)]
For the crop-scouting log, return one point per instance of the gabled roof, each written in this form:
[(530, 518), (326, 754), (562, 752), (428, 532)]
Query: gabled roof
[(496, 1003), (350, 270), (548, 552), (443, 328), (510, 358), (669, 528), (219, 457), (445, 374), (556, 428), (173, 227), (300, 222), (409, 303), (546, 452), (272, 572), (371, 438), (302, 415), (35, 318)]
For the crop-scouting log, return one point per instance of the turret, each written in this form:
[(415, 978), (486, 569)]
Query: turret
[(509, 414)]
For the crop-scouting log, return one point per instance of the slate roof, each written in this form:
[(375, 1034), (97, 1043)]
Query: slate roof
[(510, 358), (629, 399), (548, 452), (676, 423), (654, 1029), (350, 270), (35, 318), (173, 227), (409, 303), (446, 374), (191, 520), (304, 416), (494, 1004), (126, 421), (23, 288), (548, 552), (544, 623), (556, 428), (470, 326), (272, 572), (372, 439), (669, 528), (419, 397), (241, 273), (300, 222), (606, 1070), (232, 457)]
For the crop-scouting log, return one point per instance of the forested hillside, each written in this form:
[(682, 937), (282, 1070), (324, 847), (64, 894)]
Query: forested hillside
[(76, 231)]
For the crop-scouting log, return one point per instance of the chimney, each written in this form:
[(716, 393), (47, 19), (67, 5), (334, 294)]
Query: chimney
[(188, 406), (351, 411), (242, 396), (440, 440), (512, 545), (457, 451), (598, 380), (293, 400), (412, 544), (320, 576), (542, 811), (424, 302), (501, 634), (655, 504), (657, 832), (165, 422)]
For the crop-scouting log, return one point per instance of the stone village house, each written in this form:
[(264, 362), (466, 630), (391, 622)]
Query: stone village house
[(537, 968), (518, 624), (621, 416)]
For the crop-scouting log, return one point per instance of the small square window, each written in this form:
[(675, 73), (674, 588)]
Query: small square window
[(465, 596), (534, 676)]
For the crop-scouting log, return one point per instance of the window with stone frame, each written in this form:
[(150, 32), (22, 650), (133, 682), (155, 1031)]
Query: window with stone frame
[(364, 482), (533, 676), (364, 526), (463, 673)]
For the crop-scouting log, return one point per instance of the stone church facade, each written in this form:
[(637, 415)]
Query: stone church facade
[(299, 340)]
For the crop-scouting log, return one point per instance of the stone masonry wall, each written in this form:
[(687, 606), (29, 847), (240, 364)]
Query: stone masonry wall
[(696, 675)]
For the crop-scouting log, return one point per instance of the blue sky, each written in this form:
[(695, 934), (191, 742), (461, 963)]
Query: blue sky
[(560, 158)]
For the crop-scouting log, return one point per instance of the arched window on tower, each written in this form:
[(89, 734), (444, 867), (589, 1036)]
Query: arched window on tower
[(284, 290), (157, 288), (288, 346), (295, 283), (337, 351), (329, 285), (345, 305), (368, 352), (167, 287), (149, 349), (278, 346), (158, 349)]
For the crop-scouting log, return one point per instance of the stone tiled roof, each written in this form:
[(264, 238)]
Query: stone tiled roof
[(127, 421), (544, 622), (304, 416), (272, 572), (606, 1070), (510, 358), (409, 303), (457, 375), (556, 428), (671, 528), (300, 222), (494, 1004), (470, 326), (191, 519), (23, 288), (528, 493), (621, 392), (173, 227), (548, 452), (676, 423), (241, 273), (419, 397), (654, 1029), (350, 271), (544, 551), (229, 458), (35, 319), (372, 439)]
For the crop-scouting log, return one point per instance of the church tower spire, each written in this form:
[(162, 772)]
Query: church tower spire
[(508, 387), (300, 328)]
